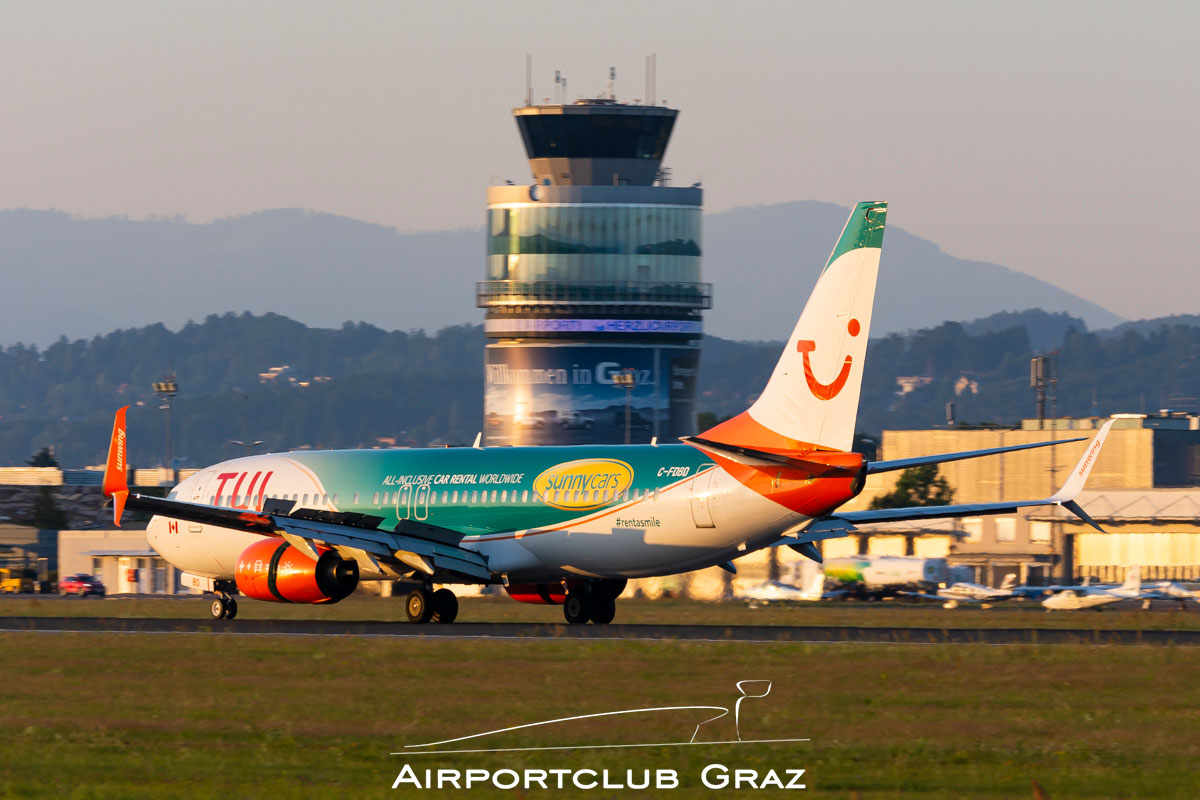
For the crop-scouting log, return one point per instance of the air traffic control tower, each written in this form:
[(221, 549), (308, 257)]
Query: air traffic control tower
[(593, 282)]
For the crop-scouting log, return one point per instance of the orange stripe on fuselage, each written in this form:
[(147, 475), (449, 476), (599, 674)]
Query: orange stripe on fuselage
[(745, 431), (487, 537), (812, 493)]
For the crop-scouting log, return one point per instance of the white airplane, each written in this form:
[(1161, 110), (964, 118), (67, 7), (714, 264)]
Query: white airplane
[(1095, 596), (1170, 590), (806, 585), (967, 592), (560, 525)]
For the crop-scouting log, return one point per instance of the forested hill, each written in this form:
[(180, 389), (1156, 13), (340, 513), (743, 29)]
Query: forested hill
[(365, 384)]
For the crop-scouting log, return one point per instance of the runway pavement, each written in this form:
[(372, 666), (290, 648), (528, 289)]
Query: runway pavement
[(694, 633)]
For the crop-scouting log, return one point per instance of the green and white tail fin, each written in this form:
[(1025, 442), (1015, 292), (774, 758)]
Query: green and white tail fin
[(811, 400)]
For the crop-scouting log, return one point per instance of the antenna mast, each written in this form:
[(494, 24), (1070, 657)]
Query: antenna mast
[(612, 83), (528, 79)]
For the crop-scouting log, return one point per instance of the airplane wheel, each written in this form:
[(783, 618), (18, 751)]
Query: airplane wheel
[(603, 610), (445, 606), (217, 609), (230, 608), (419, 605), (578, 608)]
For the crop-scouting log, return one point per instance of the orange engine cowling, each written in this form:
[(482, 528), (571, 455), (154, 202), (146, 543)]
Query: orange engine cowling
[(541, 594), (271, 569)]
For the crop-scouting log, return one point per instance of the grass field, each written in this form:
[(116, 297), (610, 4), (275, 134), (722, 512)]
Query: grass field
[(682, 612), (217, 716)]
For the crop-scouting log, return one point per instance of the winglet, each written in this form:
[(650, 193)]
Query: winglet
[(115, 484), (1079, 475)]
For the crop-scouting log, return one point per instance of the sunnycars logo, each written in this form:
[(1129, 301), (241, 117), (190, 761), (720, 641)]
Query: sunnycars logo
[(583, 484)]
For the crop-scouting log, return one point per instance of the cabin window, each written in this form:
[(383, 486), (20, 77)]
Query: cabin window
[(454, 496), (475, 497), (375, 499), (304, 502), (504, 496), (356, 498), (656, 494), (335, 498), (525, 496)]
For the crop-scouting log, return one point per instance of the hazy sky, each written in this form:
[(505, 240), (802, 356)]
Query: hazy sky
[(1058, 138)]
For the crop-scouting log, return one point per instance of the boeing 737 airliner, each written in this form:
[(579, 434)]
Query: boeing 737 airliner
[(559, 525)]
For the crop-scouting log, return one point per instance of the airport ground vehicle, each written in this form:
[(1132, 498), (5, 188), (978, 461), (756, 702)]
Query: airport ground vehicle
[(576, 419), (561, 525), (18, 580), (875, 577), (81, 585)]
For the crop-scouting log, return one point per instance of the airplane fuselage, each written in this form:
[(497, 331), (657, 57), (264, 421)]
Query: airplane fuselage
[(536, 514)]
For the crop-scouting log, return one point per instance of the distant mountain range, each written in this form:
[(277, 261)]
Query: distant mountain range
[(359, 385), (81, 277)]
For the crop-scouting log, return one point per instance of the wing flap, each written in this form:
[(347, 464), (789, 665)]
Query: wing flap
[(422, 543)]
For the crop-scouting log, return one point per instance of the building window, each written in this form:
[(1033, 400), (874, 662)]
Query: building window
[(973, 527), (1039, 532), (1006, 529)]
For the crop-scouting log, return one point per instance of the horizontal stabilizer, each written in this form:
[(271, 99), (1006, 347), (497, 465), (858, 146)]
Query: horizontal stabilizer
[(842, 523), (766, 458), (942, 458)]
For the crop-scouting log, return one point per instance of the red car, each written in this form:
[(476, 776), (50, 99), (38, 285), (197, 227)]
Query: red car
[(81, 585)]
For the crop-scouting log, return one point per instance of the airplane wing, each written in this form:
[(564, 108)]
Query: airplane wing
[(410, 547), (842, 523), (924, 596), (919, 461)]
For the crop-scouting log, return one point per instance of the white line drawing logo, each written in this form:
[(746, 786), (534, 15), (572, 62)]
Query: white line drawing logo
[(744, 693)]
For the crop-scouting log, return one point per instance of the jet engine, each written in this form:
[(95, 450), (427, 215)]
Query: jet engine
[(271, 569)]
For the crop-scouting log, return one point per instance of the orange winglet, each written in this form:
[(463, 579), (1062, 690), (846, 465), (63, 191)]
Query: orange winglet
[(115, 484)]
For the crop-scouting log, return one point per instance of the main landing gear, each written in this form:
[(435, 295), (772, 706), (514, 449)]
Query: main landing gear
[(426, 605), (224, 606), (594, 601)]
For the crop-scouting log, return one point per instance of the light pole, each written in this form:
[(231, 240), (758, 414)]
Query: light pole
[(248, 445), (166, 389), (625, 380)]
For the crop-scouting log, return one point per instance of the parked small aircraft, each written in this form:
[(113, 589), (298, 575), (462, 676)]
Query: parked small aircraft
[(966, 592), (1080, 597)]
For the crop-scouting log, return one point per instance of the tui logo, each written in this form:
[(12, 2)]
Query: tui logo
[(826, 391)]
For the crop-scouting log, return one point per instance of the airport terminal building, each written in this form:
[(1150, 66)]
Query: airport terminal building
[(593, 294)]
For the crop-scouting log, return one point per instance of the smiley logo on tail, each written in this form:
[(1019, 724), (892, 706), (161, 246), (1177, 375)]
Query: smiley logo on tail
[(826, 391)]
